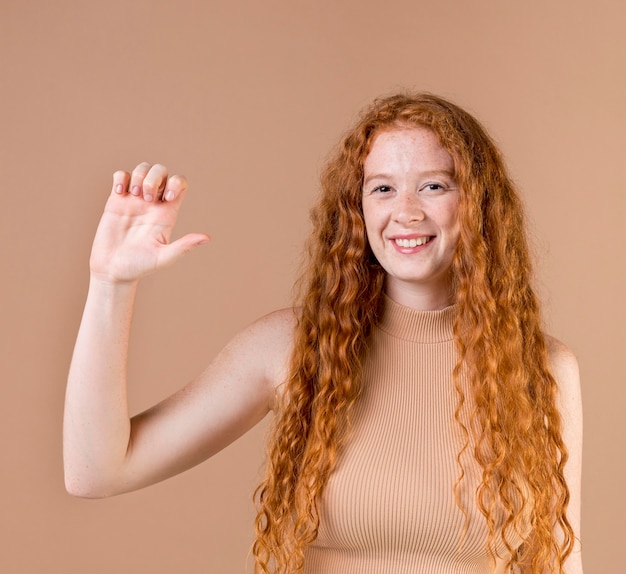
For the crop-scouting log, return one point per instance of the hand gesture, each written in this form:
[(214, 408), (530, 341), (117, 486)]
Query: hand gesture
[(133, 237)]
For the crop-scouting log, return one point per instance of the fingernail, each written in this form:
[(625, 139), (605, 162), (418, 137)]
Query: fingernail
[(135, 190), (118, 188), (147, 197), (169, 195)]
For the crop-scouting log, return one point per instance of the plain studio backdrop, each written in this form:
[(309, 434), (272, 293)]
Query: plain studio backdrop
[(247, 98)]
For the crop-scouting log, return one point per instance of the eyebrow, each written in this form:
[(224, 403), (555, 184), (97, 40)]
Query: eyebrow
[(427, 173)]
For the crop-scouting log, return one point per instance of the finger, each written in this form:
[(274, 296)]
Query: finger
[(175, 250), (120, 181), (137, 177), (175, 188), (154, 182)]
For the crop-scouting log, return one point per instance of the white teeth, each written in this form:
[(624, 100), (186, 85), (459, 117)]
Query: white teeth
[(412, 242)]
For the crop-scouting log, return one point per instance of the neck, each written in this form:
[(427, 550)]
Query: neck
[(429, 298)]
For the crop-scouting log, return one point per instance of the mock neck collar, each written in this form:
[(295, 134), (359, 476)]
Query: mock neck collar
[(419, 326)]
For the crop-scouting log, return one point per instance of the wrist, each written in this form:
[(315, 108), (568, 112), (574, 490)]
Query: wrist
[(109, 285)]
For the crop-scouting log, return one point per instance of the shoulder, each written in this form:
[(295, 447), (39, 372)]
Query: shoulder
[(564, 368), (563, 362), (272, 332), (267, 343), (281, 321)]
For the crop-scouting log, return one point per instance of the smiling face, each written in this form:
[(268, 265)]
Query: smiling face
[(410, 208)]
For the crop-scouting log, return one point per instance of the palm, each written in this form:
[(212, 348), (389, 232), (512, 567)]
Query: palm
[(133, 237)]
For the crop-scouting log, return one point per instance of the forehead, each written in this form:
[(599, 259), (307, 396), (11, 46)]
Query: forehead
[(407, 148)]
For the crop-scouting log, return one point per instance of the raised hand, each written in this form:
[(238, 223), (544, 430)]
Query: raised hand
[(133, 237), (234, 392)]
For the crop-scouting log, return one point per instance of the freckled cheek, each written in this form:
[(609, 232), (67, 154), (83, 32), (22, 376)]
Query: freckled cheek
[(455, 238), (451, 218), (373, 225), (454, 233)]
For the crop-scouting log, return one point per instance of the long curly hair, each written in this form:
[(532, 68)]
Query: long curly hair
[(513, 429)]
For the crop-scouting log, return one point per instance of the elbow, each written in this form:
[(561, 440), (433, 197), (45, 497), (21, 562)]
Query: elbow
[(84, 492), (82, 489), (82, 485), (85, 477)]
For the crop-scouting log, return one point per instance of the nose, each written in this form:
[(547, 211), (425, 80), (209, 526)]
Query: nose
[(408, 209)]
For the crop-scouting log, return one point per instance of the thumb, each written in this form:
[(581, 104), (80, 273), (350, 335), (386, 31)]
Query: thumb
[(177, 249)]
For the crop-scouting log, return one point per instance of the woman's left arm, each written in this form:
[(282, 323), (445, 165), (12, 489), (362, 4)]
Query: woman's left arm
[(565, 370)]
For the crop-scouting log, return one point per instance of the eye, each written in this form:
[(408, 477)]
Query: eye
[(433, 187), (381, 189)]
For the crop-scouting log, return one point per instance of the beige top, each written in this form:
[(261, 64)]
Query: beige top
[(389, 505)]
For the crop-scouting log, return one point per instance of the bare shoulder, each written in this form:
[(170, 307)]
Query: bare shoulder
[(267, 342), (564, 368), (273, 333), (280, 323), (563, 362)]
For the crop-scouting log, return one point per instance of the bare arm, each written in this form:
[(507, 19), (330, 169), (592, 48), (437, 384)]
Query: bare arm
[(565, 371), (105, 452), (564, 368)]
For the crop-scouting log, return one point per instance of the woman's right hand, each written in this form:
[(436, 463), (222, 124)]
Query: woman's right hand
[(133, 236)]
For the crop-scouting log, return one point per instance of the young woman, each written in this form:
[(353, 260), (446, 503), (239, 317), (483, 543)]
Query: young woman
[(423, 421)]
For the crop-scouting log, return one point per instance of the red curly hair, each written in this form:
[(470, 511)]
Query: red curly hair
[(514, 426)]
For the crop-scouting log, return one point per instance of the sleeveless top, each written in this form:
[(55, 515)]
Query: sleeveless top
[(389, 505)]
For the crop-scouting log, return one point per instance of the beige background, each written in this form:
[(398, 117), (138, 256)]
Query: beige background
[(246, 99)]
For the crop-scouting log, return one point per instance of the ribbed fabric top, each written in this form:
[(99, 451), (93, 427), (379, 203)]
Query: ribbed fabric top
[(389, 506)]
